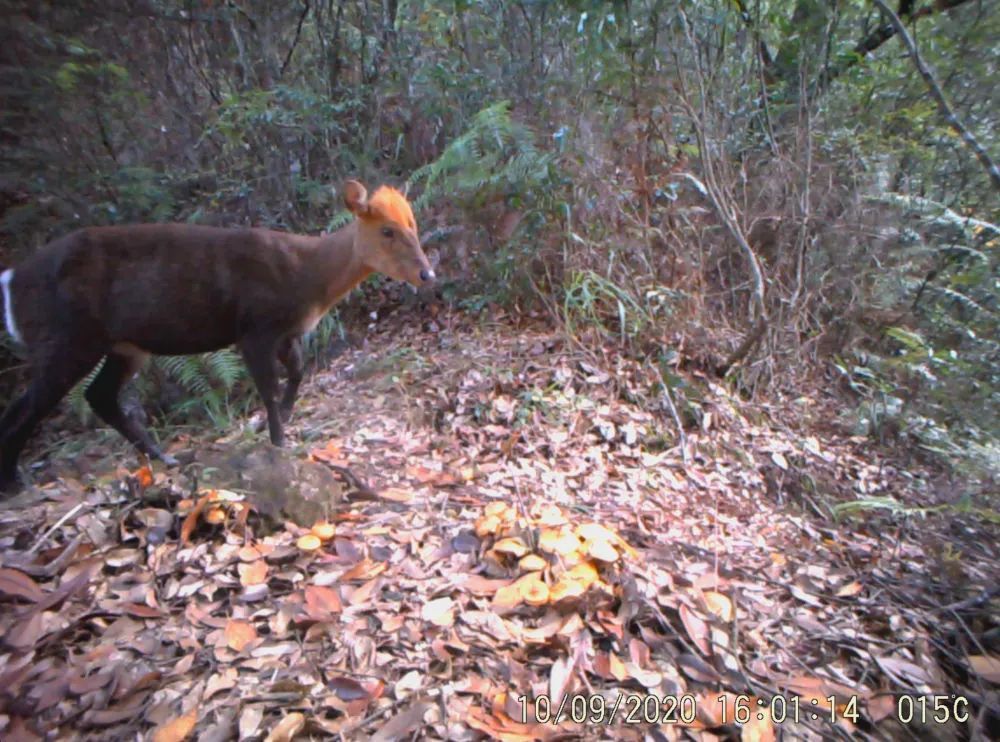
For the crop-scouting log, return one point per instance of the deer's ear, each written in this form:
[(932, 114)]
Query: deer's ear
[(356, 198)]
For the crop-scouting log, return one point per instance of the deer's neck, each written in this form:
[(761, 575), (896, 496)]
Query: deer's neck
[(337, 266)]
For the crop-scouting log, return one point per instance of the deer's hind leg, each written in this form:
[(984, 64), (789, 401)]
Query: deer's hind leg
[(53, 374)]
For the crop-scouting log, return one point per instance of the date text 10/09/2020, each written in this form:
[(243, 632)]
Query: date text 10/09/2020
[(643, 709)]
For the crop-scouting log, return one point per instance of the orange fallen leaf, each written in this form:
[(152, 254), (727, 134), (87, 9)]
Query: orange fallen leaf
[(499, 510), (487, 526), (719, 605), (565, 590), (144, 476), (177, 730), (532, 563), (322, 602), (323, 530), (215, 516), (537, 593), (508, 596), (308, 542), (253, 573), (239, 634), (986, 666), (364, 570), (585, 573), (286, 729), (849, 590), (602, 551), (191, 521), (513, 546), (331, 453), (396, 494)]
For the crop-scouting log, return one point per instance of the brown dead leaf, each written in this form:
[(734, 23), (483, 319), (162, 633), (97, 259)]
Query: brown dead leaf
[(322, 602), (177, 730), (15, 584), (139, 610), (602, 551), (881, 706), (503, 729), (331, 453), (903, 670), (222, 681), (440, 612), (536, 592), (719, 604), (81, 685), (561, 679), (364, 592), (849, 590), (507, 597), (697, 669), (811, 688), (252, 573), (324, 530), (191, 521), (759, 728), (308, 542), (532, 563), (396, 494), (239, 634), (286, 729), (404, 724), (348, 689), (986, 666), (512, 546), (364, 570), (479, 585), (696, 628), (250, 553), (84, 573)]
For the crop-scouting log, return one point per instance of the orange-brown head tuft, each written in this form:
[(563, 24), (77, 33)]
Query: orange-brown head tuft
[(390, 205)]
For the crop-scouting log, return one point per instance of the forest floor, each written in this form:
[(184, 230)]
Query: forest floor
[(701, 589)]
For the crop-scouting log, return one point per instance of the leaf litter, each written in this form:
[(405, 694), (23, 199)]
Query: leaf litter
[(521, 547)]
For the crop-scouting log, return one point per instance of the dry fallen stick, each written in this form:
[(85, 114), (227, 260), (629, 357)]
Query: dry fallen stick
[(53, 567), (58, 524)]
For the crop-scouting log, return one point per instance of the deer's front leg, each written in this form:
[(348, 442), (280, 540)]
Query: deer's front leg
[(290, 355), (260, 355)]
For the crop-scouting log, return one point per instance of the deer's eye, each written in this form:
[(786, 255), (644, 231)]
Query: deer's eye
[(386, 231)]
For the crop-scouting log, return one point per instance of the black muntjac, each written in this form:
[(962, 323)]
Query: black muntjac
[(123, 293)]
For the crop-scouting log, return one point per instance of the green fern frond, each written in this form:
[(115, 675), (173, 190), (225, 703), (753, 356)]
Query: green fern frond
[(226, 366), (496, 155)]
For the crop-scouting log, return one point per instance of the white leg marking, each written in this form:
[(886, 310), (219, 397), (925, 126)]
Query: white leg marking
[(8, 305)]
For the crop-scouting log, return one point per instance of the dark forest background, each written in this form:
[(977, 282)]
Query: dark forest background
[(770, 193)]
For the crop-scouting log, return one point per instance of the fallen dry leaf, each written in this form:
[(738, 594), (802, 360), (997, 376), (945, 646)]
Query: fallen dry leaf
[(286, 729), (253, 573), (239, 634), (177, 730), (986, 666), (15, 584)]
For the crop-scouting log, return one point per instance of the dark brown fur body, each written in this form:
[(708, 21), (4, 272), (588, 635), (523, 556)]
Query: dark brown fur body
[(123, 293), (212, 287)]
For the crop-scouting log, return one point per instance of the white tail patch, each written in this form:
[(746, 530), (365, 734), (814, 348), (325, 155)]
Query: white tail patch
[(8, 305)]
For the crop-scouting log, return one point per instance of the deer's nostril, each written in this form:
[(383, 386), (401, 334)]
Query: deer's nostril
[(426, 275)]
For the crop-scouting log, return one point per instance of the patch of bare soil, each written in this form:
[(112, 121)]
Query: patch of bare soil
[(478, 531)]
